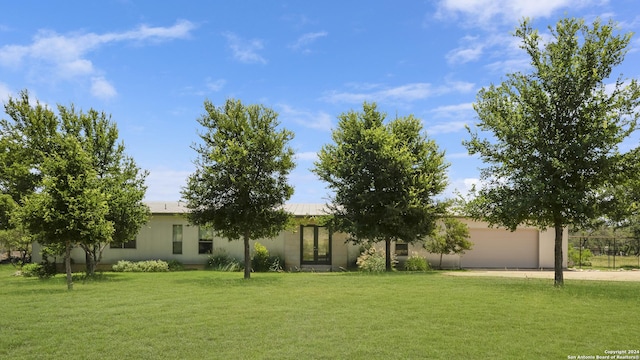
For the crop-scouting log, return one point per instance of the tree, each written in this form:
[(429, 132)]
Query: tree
[(34, 135), (555, 131), (384, 178), (240, 183), (117, 174), (71, 207), (452, 237)]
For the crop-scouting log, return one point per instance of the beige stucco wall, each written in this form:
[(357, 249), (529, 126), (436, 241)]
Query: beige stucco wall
[(494, 248)]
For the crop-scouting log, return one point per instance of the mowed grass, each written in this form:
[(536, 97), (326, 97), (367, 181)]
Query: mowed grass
[(606, 262), (214, 315)]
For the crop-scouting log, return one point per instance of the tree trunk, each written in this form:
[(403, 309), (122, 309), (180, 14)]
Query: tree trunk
[(440, 265), (559, 277), (247, 256), (67, 265), (387, 254)]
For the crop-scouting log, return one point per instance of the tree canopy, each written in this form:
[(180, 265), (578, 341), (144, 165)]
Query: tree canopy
[(556, 130), (240, 184), (384, 178)]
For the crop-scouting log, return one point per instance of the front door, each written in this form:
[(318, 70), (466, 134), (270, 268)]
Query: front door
[(315, 245)]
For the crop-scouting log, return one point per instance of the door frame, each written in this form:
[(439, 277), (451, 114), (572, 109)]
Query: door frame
[(315, 246)]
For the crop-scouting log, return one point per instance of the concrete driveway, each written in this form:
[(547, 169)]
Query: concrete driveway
[(614, 275)]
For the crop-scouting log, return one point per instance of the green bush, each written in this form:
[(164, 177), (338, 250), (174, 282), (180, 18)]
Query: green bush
[(416, 263), (574, 256), (220, 261), (260, 261), (175, 265), (31, 270), (141, 266), (370, 260)]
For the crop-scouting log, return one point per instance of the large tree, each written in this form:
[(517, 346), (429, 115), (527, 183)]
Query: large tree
[(240, 183), (555, 131), (118, 175), (34, 134), (70, 207), (384, 178)]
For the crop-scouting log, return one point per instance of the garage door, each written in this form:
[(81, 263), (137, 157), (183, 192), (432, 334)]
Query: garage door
[(494, 248)]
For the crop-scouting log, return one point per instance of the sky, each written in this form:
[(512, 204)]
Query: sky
[(152, 64)]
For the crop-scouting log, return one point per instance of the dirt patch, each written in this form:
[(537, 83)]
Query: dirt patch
[(617, 275)]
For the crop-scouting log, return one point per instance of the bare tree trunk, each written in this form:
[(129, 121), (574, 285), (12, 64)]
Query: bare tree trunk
[(247, 257), (388, 254), (559, 276), (67, 265), (440, 265)]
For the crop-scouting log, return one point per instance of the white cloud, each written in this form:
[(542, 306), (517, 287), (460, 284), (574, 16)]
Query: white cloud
[(5, 92), (307, 156), (315, 120), (307, 39), (55, 56), (488, 13), (446, 128), (399, 94), (101, 88), (463, 55), (215, 85), (245, 51), (165, 184), (461, 186)]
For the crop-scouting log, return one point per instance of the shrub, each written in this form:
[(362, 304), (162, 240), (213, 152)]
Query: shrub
[(370, 260), (141, 266), (44, 270), (416, 263), (31, 270), (574, 256), (260, 261), (277, 265), (220, 261), (175, 265)]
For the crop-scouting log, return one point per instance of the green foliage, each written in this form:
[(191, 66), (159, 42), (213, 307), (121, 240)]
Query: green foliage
[(141, 266), (578, 259), (30, 270), (372, 260), (221, 261), (385, 178), (43, 270), (175, 265), (416, 263), (240, 182), (555, 131), (260, 261), (452, 237)]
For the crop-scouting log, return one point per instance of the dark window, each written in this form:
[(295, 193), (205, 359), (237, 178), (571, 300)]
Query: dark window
[(205, 240), (177, 239), (402, 249), (131, 244)]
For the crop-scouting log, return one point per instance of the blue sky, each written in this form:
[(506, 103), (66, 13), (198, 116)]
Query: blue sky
[(151, 64)]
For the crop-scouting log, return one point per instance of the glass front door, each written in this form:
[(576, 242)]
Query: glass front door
[(315, 244)]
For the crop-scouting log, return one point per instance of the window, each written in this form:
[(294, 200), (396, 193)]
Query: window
[(131, 244), (402, 248), (205, 240), (177, 239)]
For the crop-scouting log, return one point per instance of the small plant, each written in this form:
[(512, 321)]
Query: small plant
[(175, 265), (416, 263), (141, 266), (31, 270), (370, 260), (276, 264), (220, 261), (44, 270), (260, 260), (574, 257)]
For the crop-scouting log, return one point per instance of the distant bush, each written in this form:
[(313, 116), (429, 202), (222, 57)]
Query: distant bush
[(43, 270), (220, 261), (141, 266), (574, 257), (175, 265), (416, 263), (260, 261), (370, 260)]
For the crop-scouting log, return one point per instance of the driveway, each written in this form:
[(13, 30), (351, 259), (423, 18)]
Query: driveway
[(616, 275)]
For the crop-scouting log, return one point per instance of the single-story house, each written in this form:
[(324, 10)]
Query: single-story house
[(169, 236)]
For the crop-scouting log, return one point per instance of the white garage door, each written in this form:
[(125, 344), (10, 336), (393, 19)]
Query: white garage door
[(496, 248)]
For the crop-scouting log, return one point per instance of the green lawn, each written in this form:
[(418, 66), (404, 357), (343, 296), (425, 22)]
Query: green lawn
[(606, 262), (212, 315)]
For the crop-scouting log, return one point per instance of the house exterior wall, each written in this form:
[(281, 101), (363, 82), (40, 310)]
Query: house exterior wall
[(492, 248)]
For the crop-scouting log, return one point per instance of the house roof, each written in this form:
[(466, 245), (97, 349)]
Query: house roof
[(179, 207)]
